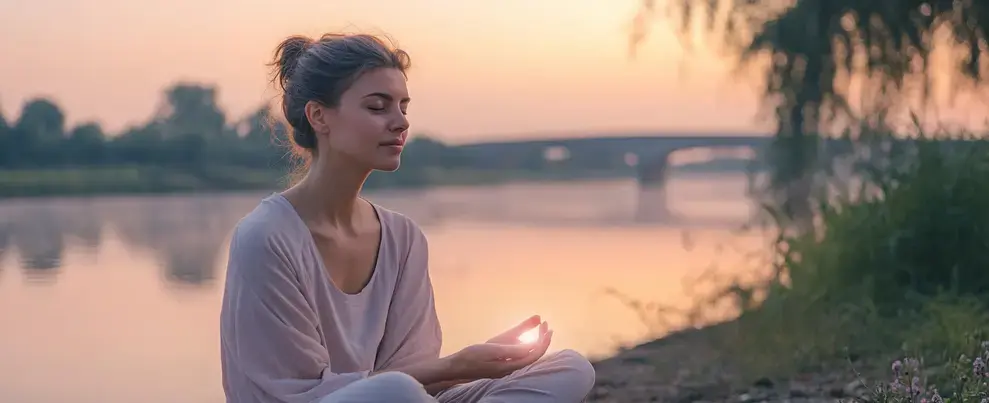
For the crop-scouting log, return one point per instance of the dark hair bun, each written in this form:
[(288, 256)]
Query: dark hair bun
[(287, 56)]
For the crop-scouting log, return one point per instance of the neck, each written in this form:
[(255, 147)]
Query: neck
[(330, 193)]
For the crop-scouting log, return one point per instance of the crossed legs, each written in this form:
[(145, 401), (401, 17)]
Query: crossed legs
[(564, 377)]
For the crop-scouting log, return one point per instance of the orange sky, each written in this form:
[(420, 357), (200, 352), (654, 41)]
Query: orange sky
[(481, 68)]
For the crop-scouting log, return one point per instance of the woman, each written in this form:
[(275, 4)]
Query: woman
[(328, 297)]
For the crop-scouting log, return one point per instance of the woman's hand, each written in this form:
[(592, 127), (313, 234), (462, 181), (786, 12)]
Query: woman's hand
[(501, 355), (511, 336)]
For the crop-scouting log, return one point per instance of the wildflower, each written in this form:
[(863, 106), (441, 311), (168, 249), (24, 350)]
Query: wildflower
[(979, 367), (915, 387), (935, 397), (898, 387), (897, 368)]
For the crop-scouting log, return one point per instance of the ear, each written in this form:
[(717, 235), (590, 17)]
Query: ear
[(319, 116)]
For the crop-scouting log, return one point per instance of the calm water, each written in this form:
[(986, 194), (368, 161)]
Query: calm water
[(116, 299)]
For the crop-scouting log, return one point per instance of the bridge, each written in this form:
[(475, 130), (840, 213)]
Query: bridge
[(645, 155)]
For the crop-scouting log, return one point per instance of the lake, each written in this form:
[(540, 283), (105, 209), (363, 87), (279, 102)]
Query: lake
[(116, 299)]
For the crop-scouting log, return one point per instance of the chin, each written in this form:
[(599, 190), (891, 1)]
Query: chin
[(388, 166)]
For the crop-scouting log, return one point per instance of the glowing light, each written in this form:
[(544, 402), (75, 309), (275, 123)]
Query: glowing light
[(530, 336)]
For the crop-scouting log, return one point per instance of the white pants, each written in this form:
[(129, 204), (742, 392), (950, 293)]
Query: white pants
[(564, 377)]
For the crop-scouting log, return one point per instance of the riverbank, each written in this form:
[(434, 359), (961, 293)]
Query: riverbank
[(138, 180), (96, 181), (695, 365)]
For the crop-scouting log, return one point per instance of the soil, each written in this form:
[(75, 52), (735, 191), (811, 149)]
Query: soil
[(688, 366)]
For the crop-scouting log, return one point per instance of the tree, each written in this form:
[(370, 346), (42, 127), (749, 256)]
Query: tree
[(38, 132), (3, 123), (820, 57), (6, 147), (43, 119), (86, 144), (191, 108)]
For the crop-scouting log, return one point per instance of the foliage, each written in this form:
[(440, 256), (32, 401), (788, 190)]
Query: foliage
[(897, 265), (900, 263), (965, 379), (821, 57), (188, 144)]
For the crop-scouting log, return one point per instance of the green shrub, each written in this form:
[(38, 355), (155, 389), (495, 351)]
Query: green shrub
[(918, 230), (903, 264)]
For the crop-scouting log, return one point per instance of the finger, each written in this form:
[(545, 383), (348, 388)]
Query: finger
[(513, 351), (532, 356), (523, 327), (512, 335), (541, 349), (544, 345)]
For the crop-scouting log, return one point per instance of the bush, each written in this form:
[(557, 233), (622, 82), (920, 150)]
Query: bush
[(917, 230), (901, 265)]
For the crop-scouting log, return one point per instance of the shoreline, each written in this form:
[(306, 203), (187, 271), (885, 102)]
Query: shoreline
[(689, 366), (139, 181)]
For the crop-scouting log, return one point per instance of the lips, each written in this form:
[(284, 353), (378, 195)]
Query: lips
[(395, 142)]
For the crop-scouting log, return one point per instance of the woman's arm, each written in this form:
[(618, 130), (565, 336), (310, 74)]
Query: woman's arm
[(413, 335), (268, 333)]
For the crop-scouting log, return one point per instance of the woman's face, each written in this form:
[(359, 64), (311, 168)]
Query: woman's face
[(369, 126)]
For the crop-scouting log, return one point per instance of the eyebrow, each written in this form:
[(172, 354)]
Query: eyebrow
[(385, 96)]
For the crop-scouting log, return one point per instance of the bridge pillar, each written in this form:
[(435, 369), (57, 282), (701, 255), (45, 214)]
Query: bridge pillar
[(653, 174)]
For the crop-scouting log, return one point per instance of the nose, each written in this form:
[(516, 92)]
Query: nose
[(400, 123)]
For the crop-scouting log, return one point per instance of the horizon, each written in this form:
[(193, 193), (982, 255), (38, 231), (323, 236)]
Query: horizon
[(480, 71)]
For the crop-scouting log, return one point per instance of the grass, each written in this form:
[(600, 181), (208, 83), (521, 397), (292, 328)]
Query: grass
[(962, 379), (151, 179), (130, 179), (898, 269)]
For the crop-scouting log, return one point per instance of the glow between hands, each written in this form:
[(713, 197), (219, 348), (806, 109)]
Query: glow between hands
[(530, 336)]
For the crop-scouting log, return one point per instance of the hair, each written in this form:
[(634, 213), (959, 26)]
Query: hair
[(322, 70)]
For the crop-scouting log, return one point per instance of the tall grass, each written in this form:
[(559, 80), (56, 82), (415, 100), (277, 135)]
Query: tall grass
[(898, 267)]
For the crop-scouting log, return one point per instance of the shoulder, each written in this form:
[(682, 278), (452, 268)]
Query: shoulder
[(407, 244), (267, 234), (401, 228), (405, 238)]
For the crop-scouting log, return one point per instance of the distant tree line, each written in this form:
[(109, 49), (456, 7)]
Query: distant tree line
[(188, 131)]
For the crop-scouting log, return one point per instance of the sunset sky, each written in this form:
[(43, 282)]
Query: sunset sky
[(481, 69)]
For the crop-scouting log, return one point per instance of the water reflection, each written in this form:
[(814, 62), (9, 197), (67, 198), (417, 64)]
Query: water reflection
[(5, 236), (37, 235), (120, 314), (185, 235)]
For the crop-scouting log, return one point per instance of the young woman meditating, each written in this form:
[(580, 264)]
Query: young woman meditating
[(327, 295)]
